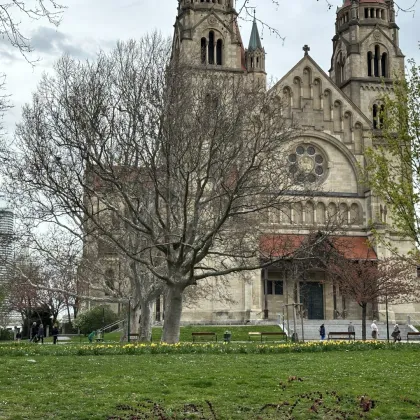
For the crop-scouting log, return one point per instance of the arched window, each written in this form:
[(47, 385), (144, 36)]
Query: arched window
[(211, 47), (381, 116), (355, 214), (219, 52), (378, 116), (203, 50), (338, 73), (384, 65), (320, 213), (369, 63), (376, 61), (375, 116)]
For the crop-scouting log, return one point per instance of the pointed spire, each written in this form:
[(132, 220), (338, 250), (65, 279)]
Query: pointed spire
[(255, 41)]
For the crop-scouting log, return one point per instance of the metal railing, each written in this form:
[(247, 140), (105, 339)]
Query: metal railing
[(412, 322), (111, 326)]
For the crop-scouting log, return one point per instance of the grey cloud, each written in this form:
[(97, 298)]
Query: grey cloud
[(53, 42), (48, 41)]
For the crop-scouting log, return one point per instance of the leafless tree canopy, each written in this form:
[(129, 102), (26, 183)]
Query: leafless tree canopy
[(12, 12), (171, 168)]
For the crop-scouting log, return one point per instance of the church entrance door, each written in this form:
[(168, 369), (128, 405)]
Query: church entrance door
[(312, 297)]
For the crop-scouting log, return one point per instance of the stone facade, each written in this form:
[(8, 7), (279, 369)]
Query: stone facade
[(337, 113)]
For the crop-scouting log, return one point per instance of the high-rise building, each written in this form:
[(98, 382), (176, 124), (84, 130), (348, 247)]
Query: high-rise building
[(6, 252)]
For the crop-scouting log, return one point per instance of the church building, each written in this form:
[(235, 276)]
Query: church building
[(339, 113)]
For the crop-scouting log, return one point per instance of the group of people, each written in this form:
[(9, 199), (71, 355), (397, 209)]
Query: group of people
[(38, 333), (396, 334)]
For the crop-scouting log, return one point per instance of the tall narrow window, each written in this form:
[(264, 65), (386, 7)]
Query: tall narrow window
[(369, 63), (366, 13), (211, 47), (338, 73), (381, 117), (219, 46), (384, 64), (376, 61), (203, 50), (375, 116)]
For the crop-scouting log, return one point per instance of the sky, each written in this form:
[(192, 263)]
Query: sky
[(90, 25)]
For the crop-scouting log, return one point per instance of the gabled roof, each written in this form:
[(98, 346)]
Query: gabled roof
[(326, 78)]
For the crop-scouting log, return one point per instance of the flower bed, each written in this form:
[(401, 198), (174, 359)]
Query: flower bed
[(27, 349)]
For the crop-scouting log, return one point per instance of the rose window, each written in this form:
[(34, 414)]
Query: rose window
[(307, 164)]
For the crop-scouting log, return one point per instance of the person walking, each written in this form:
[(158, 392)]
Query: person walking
[(322, 332), (34, 333), (41, 333), (351, 329), (375, 330), (91, 336), (55, 334), (396, 334)]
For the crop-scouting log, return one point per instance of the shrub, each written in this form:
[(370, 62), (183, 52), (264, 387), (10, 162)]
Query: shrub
[(6, 335), (95, 319)]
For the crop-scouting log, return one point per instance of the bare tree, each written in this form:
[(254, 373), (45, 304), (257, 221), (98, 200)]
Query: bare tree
[(174, 169), (12, 12), (369, 281)]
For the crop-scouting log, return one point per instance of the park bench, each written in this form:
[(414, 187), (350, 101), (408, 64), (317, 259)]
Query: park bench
[(204, 334), (343, 335), (412, 334), (99, 339), (272, 334), (254, 334)]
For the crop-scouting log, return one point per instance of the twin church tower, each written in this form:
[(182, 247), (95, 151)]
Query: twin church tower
[(339, 115), (365, 53)]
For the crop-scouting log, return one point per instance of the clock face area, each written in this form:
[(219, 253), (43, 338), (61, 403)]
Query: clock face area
[(307, 164)]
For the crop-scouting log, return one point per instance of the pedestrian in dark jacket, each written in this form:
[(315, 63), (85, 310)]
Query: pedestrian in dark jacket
[(34, 333), (322, 332), (41, 333), (55, 334), (396, 334)]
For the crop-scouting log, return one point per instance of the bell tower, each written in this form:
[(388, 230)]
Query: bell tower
[(207, 34), (366, 52)]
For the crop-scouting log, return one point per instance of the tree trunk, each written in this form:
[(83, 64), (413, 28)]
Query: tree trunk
[(68, 313), (134, 319), (364, 307), (173, 311), (146, 321)]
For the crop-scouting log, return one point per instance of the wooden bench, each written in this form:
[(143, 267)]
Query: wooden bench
[(204, 334), (343, 335), (273, 333), (412, 334), (253, 334)]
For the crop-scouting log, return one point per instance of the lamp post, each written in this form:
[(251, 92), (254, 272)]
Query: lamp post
[(386, 310), (265, 271), (128, 321)]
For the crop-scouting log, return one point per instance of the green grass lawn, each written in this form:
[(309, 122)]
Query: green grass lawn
[(239, 333), (209, 386)]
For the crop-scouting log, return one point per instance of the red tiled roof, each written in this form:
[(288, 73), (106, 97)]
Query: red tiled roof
[(351, 247)]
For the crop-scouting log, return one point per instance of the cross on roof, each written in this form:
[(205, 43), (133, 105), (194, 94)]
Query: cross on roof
[(306, 49)]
